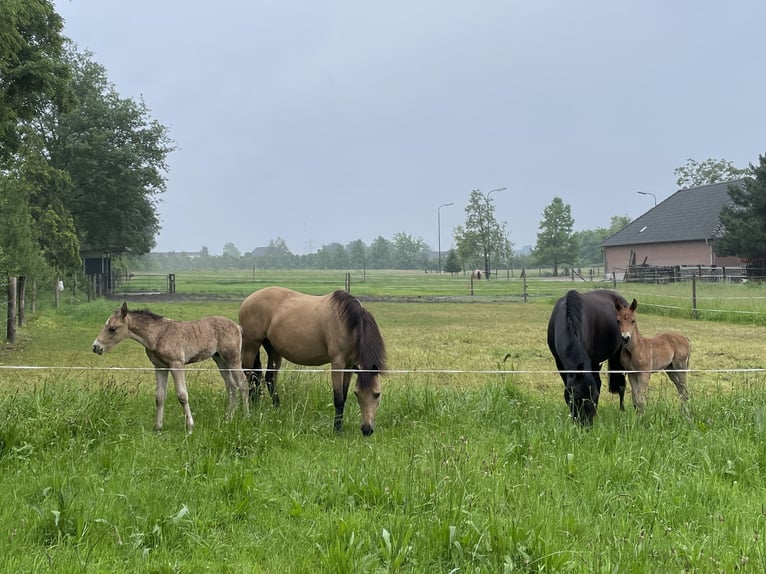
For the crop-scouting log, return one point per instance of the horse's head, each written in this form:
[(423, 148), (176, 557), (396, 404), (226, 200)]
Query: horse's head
[(581, 393), (367, 392), (114, 331), (626, 319)]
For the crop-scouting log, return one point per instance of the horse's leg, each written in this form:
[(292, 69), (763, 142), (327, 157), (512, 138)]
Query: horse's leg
[(251, 366), (639, 385), (254, 377), (231, 382), (272, 370), (161, 376), (340, 383), (617, 378), (183, 396), (679, 380)]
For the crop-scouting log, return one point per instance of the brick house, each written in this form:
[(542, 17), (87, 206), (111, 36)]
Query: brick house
[(678, 231)]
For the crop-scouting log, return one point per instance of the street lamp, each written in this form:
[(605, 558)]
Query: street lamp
[(486, 231), (649, 193), (439, 230)]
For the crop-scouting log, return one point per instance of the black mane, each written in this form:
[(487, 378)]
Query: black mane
[(370, 348)]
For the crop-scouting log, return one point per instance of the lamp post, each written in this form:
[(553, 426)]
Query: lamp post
[(486, 231), (649, 193), (439, 230)]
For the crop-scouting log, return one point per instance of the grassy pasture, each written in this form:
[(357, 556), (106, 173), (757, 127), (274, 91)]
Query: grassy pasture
[(474, 465)]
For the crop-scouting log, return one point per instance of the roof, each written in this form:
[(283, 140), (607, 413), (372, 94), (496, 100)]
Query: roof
[(688, 215)]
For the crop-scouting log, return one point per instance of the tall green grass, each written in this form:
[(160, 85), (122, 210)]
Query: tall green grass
[(474, 465)]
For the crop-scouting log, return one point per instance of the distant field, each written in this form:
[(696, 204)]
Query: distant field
[(474, 465)]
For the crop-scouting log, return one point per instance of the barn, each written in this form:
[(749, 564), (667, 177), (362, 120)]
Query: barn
[(679, 231)]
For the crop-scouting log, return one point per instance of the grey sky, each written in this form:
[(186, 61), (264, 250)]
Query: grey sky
[(328, 121)]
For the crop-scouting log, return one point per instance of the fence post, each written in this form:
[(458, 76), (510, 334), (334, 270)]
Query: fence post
[(11, 323), (171, 283), (694, 296), (614, 279), (348, 282), (56, 291), (524, 284), (22, 293)]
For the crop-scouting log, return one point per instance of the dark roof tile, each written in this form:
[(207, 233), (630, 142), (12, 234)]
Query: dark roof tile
[(688, 215)]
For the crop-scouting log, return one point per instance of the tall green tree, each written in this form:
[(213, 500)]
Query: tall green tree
[(556, 243), (482, 235), (115, 155), (409, 252), (589, 241), (452, 263), (33, 74), (357, 254), (744, 219), (695, 174), (381, 253)]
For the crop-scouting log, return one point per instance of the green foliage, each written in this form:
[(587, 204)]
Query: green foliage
[(695, 174), (589, 240), (482, 236), (115, 155), (409, 252), (33, 76), (744, 219), (556, 243), (452, 263)]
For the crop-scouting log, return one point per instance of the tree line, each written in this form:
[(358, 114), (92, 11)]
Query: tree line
[(82, 169), (481, 242)]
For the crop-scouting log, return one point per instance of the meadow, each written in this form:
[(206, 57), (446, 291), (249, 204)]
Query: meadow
[(474, 465)]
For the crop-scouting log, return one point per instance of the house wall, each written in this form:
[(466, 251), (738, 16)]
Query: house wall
[(616, 258)]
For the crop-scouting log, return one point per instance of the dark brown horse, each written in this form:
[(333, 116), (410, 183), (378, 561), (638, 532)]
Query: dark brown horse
[(641, 356), (314, 330), (582, 334), (172, 344)]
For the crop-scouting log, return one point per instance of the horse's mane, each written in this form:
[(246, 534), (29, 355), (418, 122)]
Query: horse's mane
[(574, 314), (145, 313), (370, 349)]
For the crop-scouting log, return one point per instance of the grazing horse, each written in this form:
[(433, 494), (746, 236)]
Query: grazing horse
[(476, 274), (582, 333), (314, 330), (641, 356), (172, 344)]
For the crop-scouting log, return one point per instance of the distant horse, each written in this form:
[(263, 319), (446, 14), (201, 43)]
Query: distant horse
[(314, 330), (667, 352), (582, 333), (172, 344), (476, 274)]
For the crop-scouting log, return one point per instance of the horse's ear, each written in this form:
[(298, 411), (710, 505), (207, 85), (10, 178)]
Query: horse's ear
[(617, 305), (634, 305), (124, 309)]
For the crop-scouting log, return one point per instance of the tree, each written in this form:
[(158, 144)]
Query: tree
[(555, 242), (589, 240), (357, 254), (482, 235), (33, 75), (115, 155), (381, 253), (694, 174), (744, 219), (409, 252), (452, 263)]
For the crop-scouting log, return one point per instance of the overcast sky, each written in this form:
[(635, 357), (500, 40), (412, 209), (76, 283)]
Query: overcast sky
[(329, 121)]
